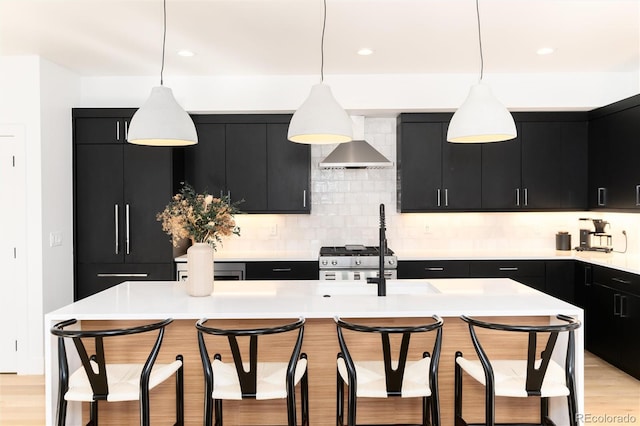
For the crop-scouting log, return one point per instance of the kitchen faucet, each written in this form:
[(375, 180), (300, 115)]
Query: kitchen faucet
[(381, 280)]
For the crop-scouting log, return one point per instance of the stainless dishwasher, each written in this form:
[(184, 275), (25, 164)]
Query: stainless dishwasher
[(223, 271)]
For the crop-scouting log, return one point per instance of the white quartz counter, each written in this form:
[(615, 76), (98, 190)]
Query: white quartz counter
[(316, 299)]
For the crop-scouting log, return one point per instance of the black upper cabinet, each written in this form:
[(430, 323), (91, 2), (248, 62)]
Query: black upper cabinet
[(434, 174), (614, 175), (554, 164), (103, 130), (501, 175), (249, 158), (544, 168)]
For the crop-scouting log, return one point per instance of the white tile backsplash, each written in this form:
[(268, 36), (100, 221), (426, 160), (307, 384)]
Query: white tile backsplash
[(345, 205)]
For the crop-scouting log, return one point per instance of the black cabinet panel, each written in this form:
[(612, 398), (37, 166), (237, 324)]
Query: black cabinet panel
[(528, 272), (461, 176), (206, 161), (100, 130), (560, 279), (92, 278), (246, 146), (300, 270), (288, 172), (433, 269), (501, 170)]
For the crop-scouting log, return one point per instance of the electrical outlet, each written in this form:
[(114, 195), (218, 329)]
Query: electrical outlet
[(55, 239), (427, 229), (273, 230)]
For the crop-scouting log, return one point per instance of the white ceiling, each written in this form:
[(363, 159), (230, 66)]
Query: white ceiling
[(258, 37)]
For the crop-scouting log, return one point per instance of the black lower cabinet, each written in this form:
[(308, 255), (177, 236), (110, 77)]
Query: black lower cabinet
[(560, 279), (613, 318), (416, 269), (276, 270), (92, 278), (527, 272)]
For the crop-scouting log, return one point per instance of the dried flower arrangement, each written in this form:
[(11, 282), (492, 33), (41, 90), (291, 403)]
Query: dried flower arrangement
[(200, 217)]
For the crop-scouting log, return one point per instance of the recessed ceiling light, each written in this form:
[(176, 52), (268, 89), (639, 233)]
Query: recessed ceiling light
[(545, 51), (365, 51), (186, 53)]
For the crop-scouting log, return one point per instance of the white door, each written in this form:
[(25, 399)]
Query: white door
[(12, 256)]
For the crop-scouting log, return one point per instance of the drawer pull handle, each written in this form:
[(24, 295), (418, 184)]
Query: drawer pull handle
[(508, 268), (434, 268), (281, 270), (123, 275), (621, 281)]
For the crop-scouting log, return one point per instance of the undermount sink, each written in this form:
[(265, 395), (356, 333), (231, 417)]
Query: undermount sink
[(357, 288)]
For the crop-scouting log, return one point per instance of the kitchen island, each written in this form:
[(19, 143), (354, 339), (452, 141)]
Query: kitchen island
[(319, 302)]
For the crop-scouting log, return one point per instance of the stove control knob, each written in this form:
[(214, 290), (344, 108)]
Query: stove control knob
[(358, 262), (324, 262), (334, 262), (391, 262)]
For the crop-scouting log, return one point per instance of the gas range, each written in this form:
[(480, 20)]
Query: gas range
[(355, 262)]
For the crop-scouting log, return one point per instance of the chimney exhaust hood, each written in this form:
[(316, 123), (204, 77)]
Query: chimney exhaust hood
[(357, 154)]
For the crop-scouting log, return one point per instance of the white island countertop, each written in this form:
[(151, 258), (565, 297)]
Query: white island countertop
[(317, 299)]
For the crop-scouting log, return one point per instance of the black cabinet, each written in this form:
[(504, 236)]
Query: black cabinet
[(528, 272), (614, 176), (283, 270), (560, 278), (416, 269), (433, 174), (613, 318), (544, 168), (248, 157), (118, 190)]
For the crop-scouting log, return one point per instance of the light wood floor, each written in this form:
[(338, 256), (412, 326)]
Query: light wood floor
[(608, 393)]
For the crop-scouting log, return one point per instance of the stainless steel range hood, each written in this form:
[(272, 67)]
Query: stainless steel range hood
[(357, 154)]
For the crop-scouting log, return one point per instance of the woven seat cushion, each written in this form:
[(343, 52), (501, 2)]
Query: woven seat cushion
[(271, 380), (371, 378), (510, 377), (123, 381)]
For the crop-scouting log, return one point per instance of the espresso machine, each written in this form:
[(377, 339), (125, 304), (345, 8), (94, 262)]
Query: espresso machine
[(595, 238)]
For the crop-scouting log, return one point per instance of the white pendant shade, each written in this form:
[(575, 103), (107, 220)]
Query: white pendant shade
[(320, 119), (481, 118), (161, 121)]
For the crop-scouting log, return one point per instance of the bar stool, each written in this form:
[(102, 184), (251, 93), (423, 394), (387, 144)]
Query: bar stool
[(98, 380), (521, 378), (262, 380), (386, 377)]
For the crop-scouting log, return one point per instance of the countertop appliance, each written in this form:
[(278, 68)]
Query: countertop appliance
[(355, 262), (222, 271), (595, 239)]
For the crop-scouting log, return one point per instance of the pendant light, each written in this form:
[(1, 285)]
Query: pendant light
[(481, 117), (320, 119), (161, 121)]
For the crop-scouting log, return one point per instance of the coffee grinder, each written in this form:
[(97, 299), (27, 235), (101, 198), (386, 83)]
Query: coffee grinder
[(595, 240)]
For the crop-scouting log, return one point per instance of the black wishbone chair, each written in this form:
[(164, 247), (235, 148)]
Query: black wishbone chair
[(98, 380), (377, 378), (521, 378), (262, 380)]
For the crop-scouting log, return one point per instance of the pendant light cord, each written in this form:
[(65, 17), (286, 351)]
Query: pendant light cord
[(324, 24), (480, 39), (164, 37)]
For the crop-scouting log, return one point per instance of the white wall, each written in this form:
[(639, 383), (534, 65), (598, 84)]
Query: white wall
[(35, 94)]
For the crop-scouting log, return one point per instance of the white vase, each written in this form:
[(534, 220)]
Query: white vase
[(200, 269)]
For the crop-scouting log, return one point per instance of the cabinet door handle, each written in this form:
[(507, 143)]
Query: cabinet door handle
[(122, 275), (438, 197), (587, 276), (637, 195), (281, 269), (126, 131), (508, 268), (620, 280), (117, 130), (304, 198), (446, 197), (526, 197), (127, 240), (116, 214), (602, 196), (616, 305), (623, 307), (434, 268), (518, 197)]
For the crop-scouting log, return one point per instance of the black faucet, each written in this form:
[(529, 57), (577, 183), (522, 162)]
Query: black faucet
[(381, 280)]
